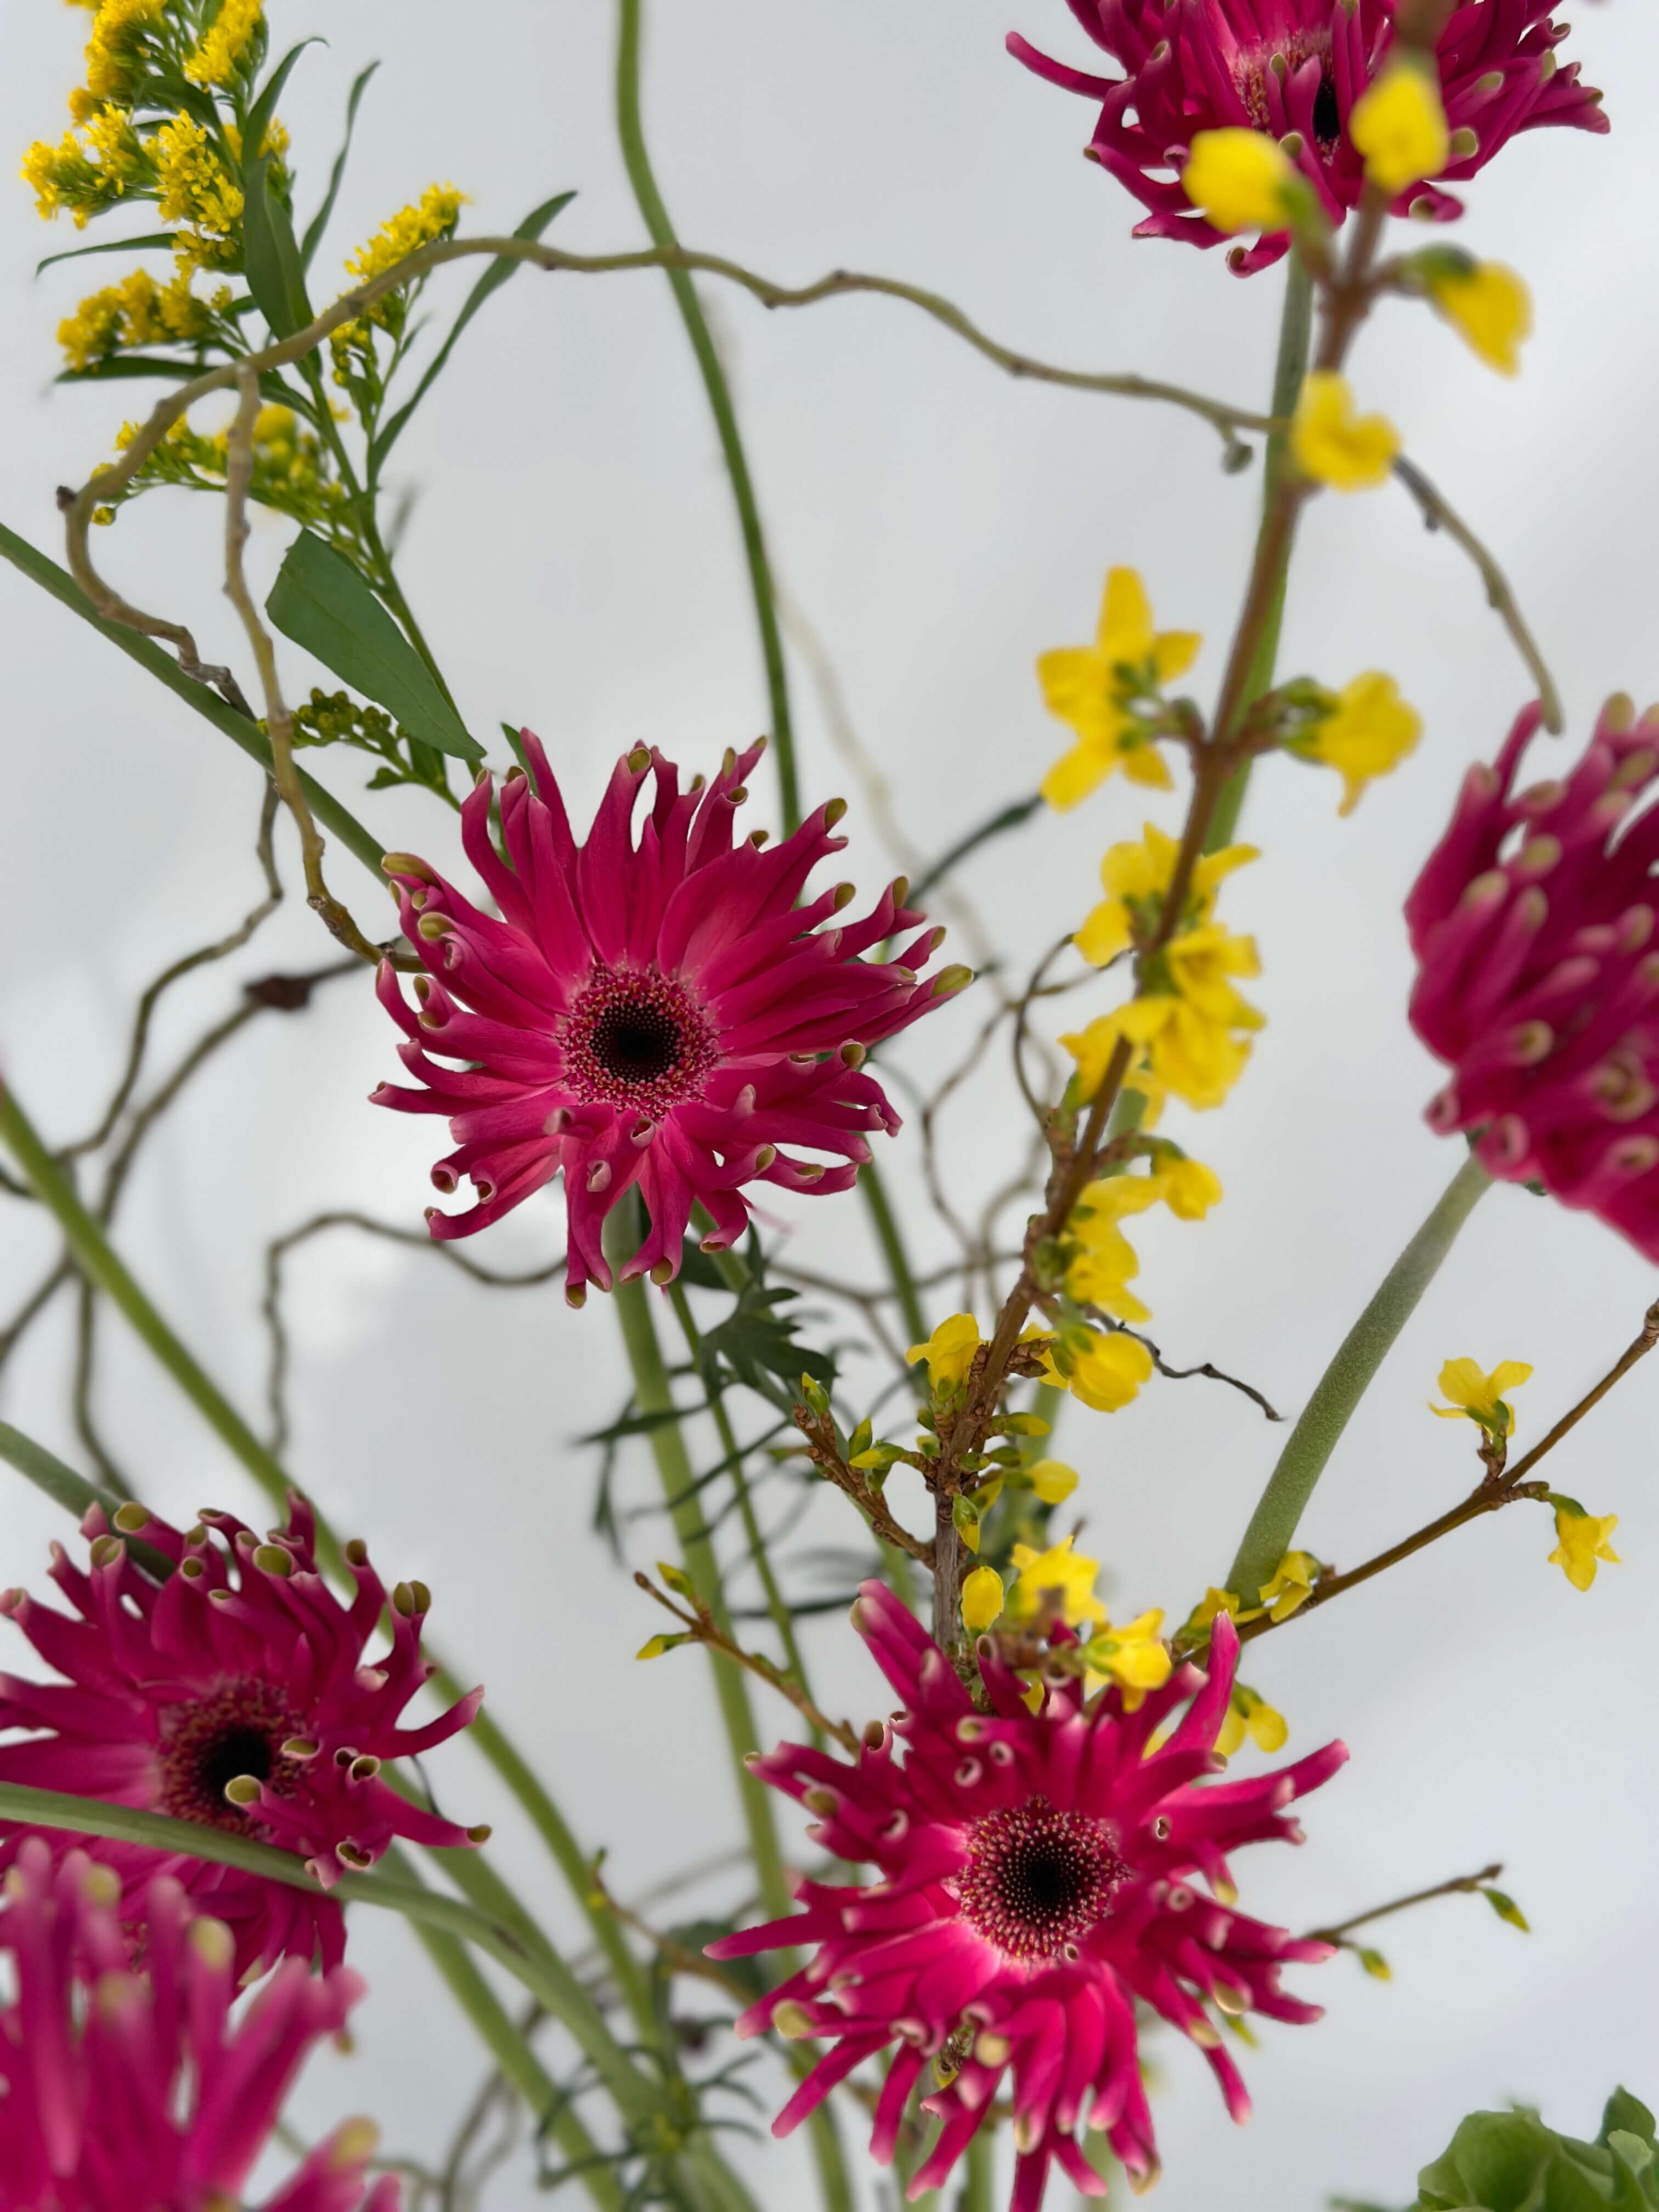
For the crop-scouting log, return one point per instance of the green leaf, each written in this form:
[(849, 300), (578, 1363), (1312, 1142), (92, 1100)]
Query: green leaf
[(121, 365), (321, 603), (151, 238), (264, 107), (493, 277), (1628, 2115), (1507, 1909), (318, 223), (1375, 1965), (270, 254)]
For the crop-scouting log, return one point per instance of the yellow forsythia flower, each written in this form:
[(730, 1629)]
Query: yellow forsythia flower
[(1399, 126), (1290, 1585), (1058, 1580), (1135, 877), (1134, 1657), (1101, 1273), (1477, 1396), (1371, 732), (1052, 1479), (949, 1352), (1584, 1542), (982, 1599), (1092, 688), (1187, 1188), (1106, 1372), (1248, 1714), (1334, 445), (1486, 304), (215, 60), (1241, 179)]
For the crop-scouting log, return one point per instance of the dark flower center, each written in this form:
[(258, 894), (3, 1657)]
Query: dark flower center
[(239, 1730), (635, 1038), (1037, 1879), (1252, 65)]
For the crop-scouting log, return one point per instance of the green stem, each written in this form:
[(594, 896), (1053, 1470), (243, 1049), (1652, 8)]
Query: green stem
[(1295, 343), (782, 1619), (1315, 1437), (98, 1261), (654, 1394), (890, 1237), (638, 163), (238, 728), (980, 2178)]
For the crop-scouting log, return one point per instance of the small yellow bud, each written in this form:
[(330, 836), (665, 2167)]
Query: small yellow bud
[(982, 1599), (1052, 1479), (1241, 179), (1399, 126)]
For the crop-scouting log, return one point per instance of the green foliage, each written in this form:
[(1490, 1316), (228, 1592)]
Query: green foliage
[(756, 1341), (334, 718), (1511, 2162), (322, 603)]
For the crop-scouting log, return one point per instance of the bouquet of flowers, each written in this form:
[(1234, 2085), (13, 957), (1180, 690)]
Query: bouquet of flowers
[(974, 1915)]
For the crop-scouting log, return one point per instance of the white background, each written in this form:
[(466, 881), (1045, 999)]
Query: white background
[(574, 557)]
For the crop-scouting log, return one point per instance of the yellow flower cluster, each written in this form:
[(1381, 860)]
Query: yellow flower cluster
[(1059, 1585), (115, 51), (1109, 694), (1187, 1030), (290, 465), (137, 312), (224, 46), (1104, 1261), (193, 185)]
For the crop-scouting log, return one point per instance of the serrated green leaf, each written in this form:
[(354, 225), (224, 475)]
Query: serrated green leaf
[(150, 239), (1506, 1909), (498, 273), (321, 603), (318, 223)]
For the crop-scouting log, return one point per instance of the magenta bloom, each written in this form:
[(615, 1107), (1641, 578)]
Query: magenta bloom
[(1035, 1884), (658, 1012), (1536, 924), (1300, 65), (130, 2094), (237, 1693)]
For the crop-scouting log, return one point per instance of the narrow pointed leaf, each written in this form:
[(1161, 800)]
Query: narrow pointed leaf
[(318, 223), (150, 239)]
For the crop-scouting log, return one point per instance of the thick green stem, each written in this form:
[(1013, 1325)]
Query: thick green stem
[(891, 1240), (1295, 343), (1345, 1382), (980, 2178), (638, 163)]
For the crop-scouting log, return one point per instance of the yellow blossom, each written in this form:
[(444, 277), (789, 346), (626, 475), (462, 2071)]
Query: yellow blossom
[(1136, 877), (114, 51), (195, 187), (1135, 1656), (1241, 179), (1290, 1585), (216, 59), (1188, 1188), (1101, 1273), (1057, 1581), (949, 1352), (1584, 1542), (1486, 304), (1215, 1602), (1370, 732), (1480, 1397), (982, 1599), (1248, 1714), (1104, 1373), (1052, 1479), (1093, 689), (1398, 124), (1332, 444), (137, 312)]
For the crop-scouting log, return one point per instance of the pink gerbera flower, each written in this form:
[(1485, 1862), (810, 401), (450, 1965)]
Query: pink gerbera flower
[(1035, 1883), (1536, 924), (1285, 66), (657, 1010), (235, 1692), (130, 2094)]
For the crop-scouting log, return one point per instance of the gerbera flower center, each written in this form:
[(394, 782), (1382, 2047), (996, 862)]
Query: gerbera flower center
[(638, 1039), (1250, 68), (240, 1729), (1037, 1879)]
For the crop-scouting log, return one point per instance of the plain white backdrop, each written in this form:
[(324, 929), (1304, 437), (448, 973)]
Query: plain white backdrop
[(574, 559)]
